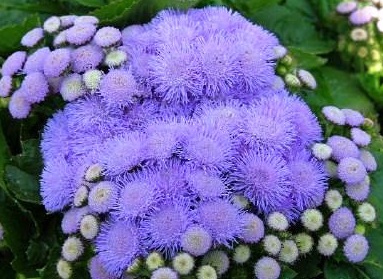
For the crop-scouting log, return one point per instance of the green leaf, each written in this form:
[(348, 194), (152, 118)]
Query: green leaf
[(284, 19), (19, 227), (373, 264), (37, 252), (91, 3), (23, 185), (288, 273), (306, 60), (339, 88), (30, 159), (115, 11), (12, 34), (334, 270)]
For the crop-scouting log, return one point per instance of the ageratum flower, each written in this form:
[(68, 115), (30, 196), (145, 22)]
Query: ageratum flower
[(35, 61), (14, 63)]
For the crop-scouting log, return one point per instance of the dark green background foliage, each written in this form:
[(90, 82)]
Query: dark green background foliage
[(32, 237)]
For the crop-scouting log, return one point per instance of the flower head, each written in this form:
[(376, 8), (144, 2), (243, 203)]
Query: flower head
[(360, 137), (67, 20), (267, 268), (368, 160), (52, 24), (207, 186), (366, 212), (115, 58), (360, 16), (333, 199), (89, 226), (277, 221), (312, 219), (154, 261), (32, 37), (357, 35), (304, 242), (35, 87), (92, 79), (346, 7), (321, 151), (272, 244), (353, 118), (71, 221), (356, 248), (117, 246), (342, 223), (307, 79), (85, 19), (351, 170), (334, 114), (253, 228), (107, 36), (183, 263), (86, 58), (264, 179), (217, 259), (72, 87), (35, 61), (359, 191), (14, 63), (164, 273), (289, 252), (72, 249), (97, 269), (206, 272), (196, 240), (327, 244), (342, 147), (241, 254), (102, 196), (57, 62), (5, 86), (64, 269), (80, 34)]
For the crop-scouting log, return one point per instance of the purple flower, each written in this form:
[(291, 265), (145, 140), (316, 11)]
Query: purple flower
[(308, 180), (196, 240), (86, 20), (353, 118), (253, 229), (18, 106), (267, 268), (368, 160), (342, 223), (136, 198), (334, 114), (86, 58), (35, 62), (5, 86), (270, 124), (360, 191), (14, 63), (57, 62), (102, 196), (206, 185), (97, 269), (67, 20), (361, 16), (208, 148), (176, 73), (356, 248), (119, 88), (351, 170), (131, 32), (162, 229), (164, 272), (71, 221), (107, 36), (122, 153), (80, 33), (117, 245), (264, 179), (360, 137), (222, 219), (35, 87), (342, 147), (57, 185), (346, 7), (31, 38)]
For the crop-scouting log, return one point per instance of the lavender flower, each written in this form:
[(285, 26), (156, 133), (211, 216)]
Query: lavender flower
[(5, 86), (264, 179), (353, 117), (72, 218), (360, 16), (221, 219), (360, 137), (196, 240), (117, 246), (253, 229), (18, 106), (356, 248), (35, 87), (14, 63), (80, 33), (342, 147), (97, 270), (368, 160), (346, 7), (267, 268), (102, 196), (359, 191), (351, 170), (334, 115), (164, 272), (52, 24), (57, 62), (107, 36), (86, 58), (342, 223), (72, 87), (67, 20), (31, 38), (86, 20), (35, 61), (217, 259), (207, 186)]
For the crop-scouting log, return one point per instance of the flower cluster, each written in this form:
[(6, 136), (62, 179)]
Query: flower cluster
[(179, 149), (360, 41)]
